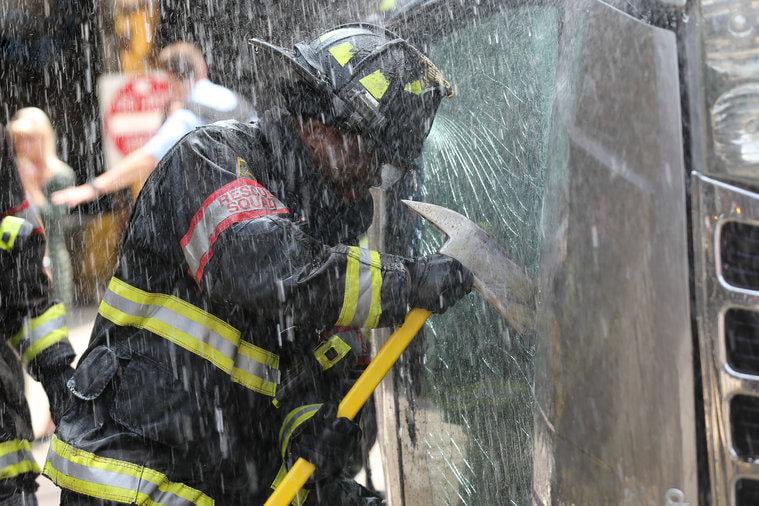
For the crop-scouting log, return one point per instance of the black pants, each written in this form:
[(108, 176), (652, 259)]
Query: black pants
[(21, 498), (15, 424)]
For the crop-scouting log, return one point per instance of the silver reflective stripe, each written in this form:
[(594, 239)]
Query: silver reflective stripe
[(200, 241), (173, 319), (92, 475), (249, 200), (161, 496), (193, 329), (263, 371), (43, 330), (14, 458), (114, 479), (364, 302)]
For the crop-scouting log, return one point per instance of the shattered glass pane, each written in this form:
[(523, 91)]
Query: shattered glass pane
[(466, 388)]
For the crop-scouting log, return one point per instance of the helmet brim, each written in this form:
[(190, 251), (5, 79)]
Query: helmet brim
[(280, 64)]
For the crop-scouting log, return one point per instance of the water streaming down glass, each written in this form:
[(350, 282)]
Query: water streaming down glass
[(466, 387)]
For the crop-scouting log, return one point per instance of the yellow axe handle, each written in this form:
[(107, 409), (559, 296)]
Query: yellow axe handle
[(354, 399)]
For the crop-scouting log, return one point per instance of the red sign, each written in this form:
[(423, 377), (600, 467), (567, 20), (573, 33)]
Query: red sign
[(135, 111)]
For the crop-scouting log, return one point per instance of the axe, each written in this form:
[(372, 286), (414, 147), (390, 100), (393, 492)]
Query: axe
[(499, 280)]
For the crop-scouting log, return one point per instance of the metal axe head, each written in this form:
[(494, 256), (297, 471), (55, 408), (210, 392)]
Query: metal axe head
[(500, 281)]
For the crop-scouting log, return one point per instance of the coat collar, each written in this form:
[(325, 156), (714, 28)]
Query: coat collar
[(307, 193)]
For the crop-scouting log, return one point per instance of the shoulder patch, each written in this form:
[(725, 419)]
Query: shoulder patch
[(242, 169)]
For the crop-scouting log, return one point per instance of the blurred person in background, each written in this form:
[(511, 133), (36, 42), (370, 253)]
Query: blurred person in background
[(42, 173), (33, 334), (195, 101)]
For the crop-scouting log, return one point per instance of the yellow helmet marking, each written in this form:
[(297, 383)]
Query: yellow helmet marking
[(375, 83), (414, 87), (387, 5), (342, 52)]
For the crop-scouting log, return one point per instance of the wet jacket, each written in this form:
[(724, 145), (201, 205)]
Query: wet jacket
[(32, 326), (231, 265)]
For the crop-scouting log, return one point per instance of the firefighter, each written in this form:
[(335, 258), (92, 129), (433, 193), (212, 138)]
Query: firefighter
[(194, 101), (33, 331), (233, 261)]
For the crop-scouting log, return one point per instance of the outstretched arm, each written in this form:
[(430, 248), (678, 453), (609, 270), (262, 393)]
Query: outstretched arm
[(135, 166)]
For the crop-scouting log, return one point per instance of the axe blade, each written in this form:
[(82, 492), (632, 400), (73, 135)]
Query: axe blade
[(499, 280)]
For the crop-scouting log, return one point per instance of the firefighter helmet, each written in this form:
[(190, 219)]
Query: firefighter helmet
[(364, 78)]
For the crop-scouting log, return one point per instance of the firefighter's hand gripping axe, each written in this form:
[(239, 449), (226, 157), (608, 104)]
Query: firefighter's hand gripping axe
[(499, 280)]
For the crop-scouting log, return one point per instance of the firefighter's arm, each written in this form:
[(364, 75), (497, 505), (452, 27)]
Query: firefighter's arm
[(269, 264), (241, 244), (36, 326)]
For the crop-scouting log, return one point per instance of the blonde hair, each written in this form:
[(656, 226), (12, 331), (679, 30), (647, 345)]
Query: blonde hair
[(34, 121)]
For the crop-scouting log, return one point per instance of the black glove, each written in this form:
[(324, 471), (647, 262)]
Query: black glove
[(437, 282), (346, 492), (58, 394), (326, 441)]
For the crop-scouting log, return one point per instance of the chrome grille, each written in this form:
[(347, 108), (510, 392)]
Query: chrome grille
[(725, 220)]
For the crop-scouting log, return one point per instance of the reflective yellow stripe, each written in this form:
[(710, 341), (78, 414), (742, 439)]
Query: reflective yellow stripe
[(16, 458), (53, 312), (250, 380), (362, 302), (169, 333), (43, 344), (350, 299), (41, 332), (105, 492), (9, 229), (333, 343), (259, 354), (14, 445), (175, 304), (26, 466), (342, 52), (364, 242), (300, 497), (194, 330), (115, 480), (375, 310), (293, 420), (375, 83)]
